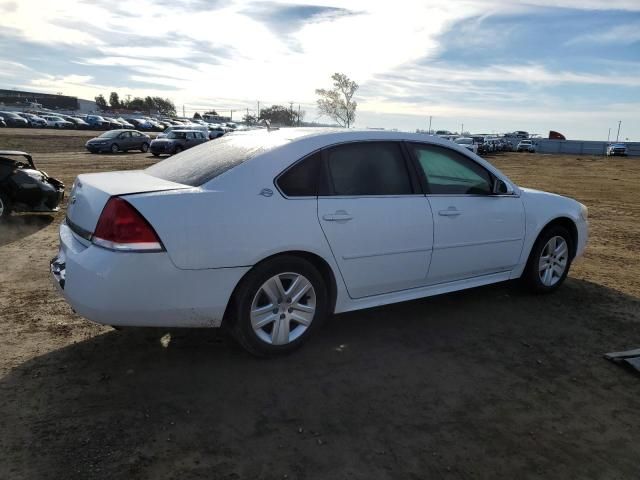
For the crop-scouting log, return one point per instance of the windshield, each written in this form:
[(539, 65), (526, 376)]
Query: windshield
[(110, 134), (200, 164), (464, 141)]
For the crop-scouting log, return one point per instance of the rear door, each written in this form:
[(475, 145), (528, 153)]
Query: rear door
[(475, 231), (378, 224)]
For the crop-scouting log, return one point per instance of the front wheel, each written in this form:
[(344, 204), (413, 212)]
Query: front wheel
[(115, 148), (278, 306), (549, 261)]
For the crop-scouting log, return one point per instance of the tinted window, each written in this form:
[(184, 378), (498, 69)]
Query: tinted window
[(301, 180), (368, 168), (450, 172)]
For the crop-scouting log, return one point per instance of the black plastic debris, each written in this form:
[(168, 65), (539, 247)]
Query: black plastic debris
[(629, 358)]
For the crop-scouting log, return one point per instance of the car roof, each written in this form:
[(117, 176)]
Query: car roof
[(14, 153)]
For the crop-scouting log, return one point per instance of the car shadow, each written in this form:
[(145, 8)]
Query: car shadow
[(16, 227), (480, 383)]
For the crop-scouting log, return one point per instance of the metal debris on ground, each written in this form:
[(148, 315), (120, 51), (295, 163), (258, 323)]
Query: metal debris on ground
[(629, 358)]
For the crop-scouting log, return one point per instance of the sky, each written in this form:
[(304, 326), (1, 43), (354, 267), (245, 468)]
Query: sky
[(492, 65)]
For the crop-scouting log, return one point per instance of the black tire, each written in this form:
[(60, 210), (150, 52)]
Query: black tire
[(114, 148), (239, 309), (5, 207), (531, 275), (144, 148), (155, 154), (178, 149)]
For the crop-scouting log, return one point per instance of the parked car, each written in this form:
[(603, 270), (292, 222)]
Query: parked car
[(140, 123), (79, 123), (24, 188), (526, 146), (54, 121), (176, 141), (216, 131), (97, 122), (204, 238), (617, 149), (113, 123), (34, 121), (468, 143), (122, 140), (125, 124), (210, 134), (14, 120)]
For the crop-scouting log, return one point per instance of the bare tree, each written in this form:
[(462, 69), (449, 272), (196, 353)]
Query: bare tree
[(337, 103)]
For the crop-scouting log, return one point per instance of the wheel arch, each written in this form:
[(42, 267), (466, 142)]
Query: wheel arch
[(316, 260), (569, 225)]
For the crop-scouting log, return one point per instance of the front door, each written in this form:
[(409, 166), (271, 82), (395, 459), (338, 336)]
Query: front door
[(475, 232), (378, 226)]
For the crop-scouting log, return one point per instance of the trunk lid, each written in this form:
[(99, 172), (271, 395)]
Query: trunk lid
[(91, 191)]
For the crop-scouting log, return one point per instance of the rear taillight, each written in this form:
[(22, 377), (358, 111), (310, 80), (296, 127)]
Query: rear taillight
[(121, 227)]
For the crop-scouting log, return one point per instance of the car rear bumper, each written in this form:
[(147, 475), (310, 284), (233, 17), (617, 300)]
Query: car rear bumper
[(139, 289)]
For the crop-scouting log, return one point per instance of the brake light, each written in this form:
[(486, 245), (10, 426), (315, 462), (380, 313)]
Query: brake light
[(121, 227)]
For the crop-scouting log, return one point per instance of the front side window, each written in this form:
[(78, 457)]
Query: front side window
[(368, 168), (450, 173)]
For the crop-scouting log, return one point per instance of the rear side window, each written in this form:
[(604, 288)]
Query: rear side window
[(368, 168), (197, 165), (301, 180)]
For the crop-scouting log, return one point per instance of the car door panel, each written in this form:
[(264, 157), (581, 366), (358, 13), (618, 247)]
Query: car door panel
[(475, 232), (484, 236), (379, 229), (380, 244)]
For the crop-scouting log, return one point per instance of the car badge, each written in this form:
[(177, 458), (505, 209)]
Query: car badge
[(266, 192)]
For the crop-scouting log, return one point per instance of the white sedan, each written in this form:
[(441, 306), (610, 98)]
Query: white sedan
[(268, 232)]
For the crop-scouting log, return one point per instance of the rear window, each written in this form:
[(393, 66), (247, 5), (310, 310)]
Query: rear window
[(197, 165)]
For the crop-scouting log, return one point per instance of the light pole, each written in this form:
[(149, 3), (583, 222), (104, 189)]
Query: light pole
[(618, 134), (430, 117)]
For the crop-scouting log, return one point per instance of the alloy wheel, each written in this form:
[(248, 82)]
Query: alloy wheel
[(553, 261), (283, 308)]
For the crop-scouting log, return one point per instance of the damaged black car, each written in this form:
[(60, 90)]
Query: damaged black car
[(24, 188)]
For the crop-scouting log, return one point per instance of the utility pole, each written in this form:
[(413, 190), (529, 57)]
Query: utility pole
[(298, 114), (291, 112), (461, 129), (609, 135), (430, 117), (183, 110), (258, 116), (231, 116), (618, 134)]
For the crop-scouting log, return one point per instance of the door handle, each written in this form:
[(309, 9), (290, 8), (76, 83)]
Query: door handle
[(450, 212), (339, 216)]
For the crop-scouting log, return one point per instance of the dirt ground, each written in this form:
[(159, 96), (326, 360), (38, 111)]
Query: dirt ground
[(488, 383)]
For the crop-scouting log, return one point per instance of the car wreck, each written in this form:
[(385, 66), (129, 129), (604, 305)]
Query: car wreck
[(24, 188)]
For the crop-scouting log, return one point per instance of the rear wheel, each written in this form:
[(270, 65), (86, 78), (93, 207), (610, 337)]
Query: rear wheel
[(5, 207), (156, 154), (278, 306), (115, 148), (144, 148), (549, 261)]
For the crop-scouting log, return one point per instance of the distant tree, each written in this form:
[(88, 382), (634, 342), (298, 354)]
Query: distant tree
[(136, 103), (197, 116), (164, 106), (114, 100), (101, 103), (211, 112), (281, 115), (250, 119), (337, 103)]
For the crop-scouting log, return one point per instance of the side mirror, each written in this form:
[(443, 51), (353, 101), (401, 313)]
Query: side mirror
[(501, 188)]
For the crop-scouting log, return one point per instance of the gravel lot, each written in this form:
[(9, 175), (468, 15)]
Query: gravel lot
[(488, 383)]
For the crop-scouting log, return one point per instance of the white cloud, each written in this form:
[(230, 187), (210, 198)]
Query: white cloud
[(619, 35)]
